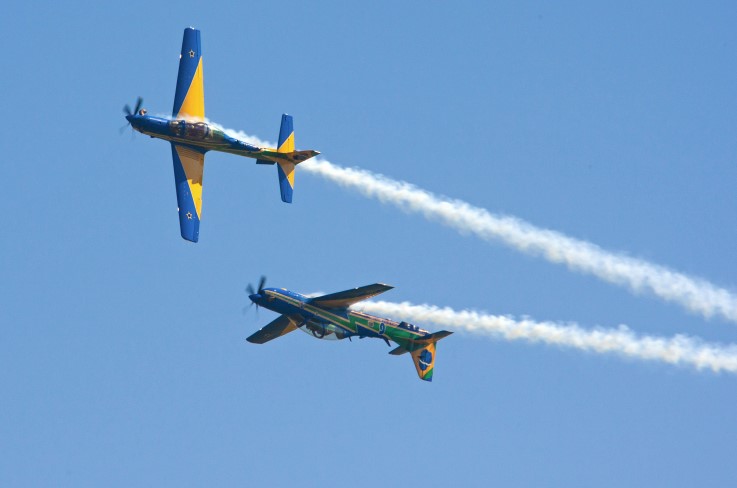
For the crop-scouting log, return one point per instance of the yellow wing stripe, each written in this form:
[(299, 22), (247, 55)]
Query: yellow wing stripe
[(193, 163), (193, 106)]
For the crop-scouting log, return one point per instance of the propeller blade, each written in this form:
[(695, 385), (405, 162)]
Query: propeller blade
[(139, 102), (127, 110), (261, 283), (249, 289)]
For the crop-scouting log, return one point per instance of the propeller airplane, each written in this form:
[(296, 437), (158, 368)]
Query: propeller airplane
[(329, 317), (191, 137)]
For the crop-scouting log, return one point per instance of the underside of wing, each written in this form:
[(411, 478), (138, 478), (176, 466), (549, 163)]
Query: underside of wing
[(344, 299), (189, 166), (276, 328)]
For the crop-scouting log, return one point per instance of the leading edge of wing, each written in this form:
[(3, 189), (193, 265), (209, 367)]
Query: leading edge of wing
[(282, 325), (344, 299)]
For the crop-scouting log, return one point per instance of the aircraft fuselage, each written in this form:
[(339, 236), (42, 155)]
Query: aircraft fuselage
[(199, 135), (324, 323)]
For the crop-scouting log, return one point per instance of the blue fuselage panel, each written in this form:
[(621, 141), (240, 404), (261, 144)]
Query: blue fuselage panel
[(195, 134)]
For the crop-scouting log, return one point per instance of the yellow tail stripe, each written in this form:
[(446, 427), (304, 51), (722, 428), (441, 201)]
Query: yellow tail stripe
[(288, 145)]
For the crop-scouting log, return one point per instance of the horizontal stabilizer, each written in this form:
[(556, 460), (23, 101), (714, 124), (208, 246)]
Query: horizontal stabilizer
[(398, 351), (416, 344), (439, 335), (286, 181), (286, 134), (264, 161)]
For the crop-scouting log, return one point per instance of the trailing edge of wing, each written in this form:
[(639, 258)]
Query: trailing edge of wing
[(284, 324), (344, 299)]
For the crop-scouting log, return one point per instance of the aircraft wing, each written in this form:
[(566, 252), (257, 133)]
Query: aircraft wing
[(189, 165), (344, 299), (189, 97), (276, 328)]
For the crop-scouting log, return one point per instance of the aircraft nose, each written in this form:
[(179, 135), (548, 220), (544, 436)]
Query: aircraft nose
[(129, 118), (255, 297)]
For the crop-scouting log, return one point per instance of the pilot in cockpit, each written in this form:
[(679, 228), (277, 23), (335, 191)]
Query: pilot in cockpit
[(142, 111)]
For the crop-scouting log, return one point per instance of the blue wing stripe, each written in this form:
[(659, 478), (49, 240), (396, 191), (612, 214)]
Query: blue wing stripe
[(187, 66), (189, 221)]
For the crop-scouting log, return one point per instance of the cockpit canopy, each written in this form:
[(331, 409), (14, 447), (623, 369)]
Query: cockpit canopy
[(190, 130)]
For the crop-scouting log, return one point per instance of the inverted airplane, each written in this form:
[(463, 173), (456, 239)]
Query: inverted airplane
[(191, 137), (328, 317)]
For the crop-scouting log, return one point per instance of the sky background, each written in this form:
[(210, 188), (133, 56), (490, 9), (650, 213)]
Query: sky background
[(123, 359)]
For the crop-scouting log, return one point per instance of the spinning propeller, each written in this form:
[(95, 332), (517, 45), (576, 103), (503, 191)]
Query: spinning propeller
[(250, 291), (261, 284), (128, 113), (127, 108)]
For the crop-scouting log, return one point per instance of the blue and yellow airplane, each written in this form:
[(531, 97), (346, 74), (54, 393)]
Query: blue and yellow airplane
[(328, 317), (191, 137)]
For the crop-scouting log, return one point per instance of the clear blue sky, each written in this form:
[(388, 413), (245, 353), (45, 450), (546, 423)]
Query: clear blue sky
[(122, 352)]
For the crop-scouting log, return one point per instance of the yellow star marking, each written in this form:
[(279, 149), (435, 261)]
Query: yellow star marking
[(189, 215), (191, 54)]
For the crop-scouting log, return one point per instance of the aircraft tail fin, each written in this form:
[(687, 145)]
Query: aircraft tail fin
[(423, 353), (424, 360), (289, 158)]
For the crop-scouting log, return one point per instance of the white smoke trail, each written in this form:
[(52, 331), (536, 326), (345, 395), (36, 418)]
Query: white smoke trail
[(241, 135), (677, 350), (694, 294)]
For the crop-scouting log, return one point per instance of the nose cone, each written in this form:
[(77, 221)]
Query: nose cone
[(255, 298), (129, 118)]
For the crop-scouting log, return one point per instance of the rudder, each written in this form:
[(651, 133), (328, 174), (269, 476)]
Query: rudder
[(424, 360), (423, 354)]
